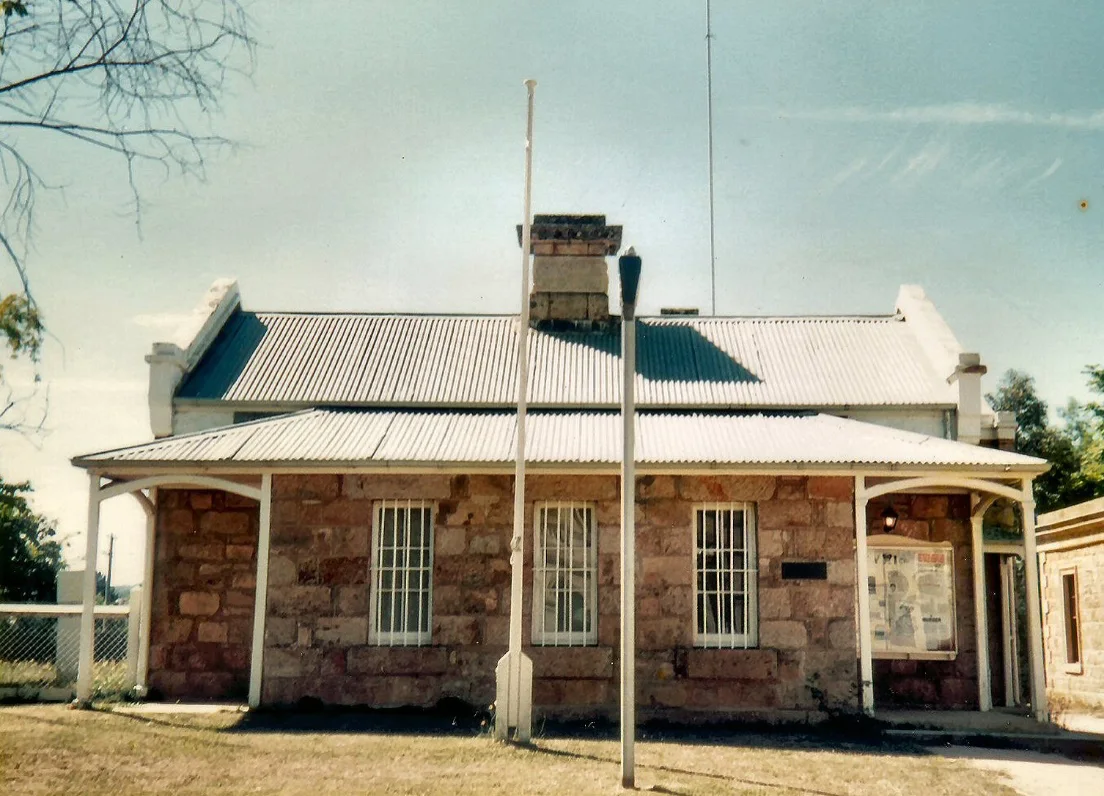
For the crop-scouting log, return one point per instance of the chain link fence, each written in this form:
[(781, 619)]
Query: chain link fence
[(40, 650)]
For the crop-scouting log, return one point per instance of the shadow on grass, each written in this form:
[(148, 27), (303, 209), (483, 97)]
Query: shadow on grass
[(686, 773)]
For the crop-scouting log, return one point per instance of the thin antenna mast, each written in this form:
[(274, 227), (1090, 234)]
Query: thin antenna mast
[(709, 86)]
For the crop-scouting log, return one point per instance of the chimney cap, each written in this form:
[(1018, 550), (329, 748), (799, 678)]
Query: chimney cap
[(585, 228)]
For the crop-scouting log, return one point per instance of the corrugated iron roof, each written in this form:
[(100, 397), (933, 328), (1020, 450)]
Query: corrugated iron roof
[(299, 360), (412, 437)]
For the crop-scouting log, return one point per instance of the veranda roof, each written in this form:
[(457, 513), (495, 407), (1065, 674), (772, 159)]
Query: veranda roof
[(458, 439)]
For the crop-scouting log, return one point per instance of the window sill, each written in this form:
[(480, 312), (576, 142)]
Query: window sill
[(1072, 668)]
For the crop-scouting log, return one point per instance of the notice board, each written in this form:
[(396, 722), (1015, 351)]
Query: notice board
[(912, 599)]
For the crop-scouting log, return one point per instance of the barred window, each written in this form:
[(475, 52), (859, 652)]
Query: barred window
[(725, 611), (402, 569), (565, 569)]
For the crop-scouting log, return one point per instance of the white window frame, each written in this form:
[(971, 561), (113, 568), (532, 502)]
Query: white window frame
[(555, 637), (403, 636), (749, 574)]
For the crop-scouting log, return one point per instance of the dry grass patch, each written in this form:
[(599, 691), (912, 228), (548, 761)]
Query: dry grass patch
[(55, 750)]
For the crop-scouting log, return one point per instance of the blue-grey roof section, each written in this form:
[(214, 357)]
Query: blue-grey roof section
[(467, 439), (296, 360)]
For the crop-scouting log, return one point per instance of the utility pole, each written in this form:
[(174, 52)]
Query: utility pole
[(110, 561)]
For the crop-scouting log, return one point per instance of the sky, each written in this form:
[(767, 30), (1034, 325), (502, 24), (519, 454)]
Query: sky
[(858, 146)]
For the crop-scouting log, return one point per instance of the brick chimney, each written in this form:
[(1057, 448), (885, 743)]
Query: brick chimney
[(570, 275)]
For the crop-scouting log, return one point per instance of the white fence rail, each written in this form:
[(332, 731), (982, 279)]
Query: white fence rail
[(39, 647)]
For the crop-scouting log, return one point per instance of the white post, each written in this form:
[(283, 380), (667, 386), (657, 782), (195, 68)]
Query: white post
[(1034, 621), (514, 672), (134, 629), (628, 548), (260, 597), (981, 618), (862, 584), (88, 618), (1008, 629), (146, 605)]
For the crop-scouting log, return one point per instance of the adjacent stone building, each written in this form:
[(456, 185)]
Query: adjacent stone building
[(331, 505), (1071, 553)]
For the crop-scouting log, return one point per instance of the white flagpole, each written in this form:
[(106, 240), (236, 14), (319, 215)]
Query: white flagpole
[(514, 673)]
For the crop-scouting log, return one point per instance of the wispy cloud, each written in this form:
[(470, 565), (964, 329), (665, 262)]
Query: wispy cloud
[(163, 321), (1046, 175), (963, 114), (852, 169), (925, 161)]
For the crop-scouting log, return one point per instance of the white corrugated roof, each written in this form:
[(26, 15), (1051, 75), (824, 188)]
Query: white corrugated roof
[(302, 360), (322, 437)]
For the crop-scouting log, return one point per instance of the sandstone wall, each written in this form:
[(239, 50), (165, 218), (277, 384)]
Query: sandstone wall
[(317, 628), (937, 684), (1074, 689), (205, 577)]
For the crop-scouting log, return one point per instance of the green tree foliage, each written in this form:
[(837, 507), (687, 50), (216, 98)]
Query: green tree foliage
[(30, 556), (1075, 449)]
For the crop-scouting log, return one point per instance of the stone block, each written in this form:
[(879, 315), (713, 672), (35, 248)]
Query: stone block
[(450, 541), (299, 600), (839, 515), (171, 631), (712, 489), (349, 571), (199, 603), (243, 580), (841, 635), (293, 662), (487, 544), (572, 662), (771, 543), (178, 522), (200, 500), (240, 552), (650, 487), (750, 664), (282, 571), (785, 513), (458, 630), (342, 631), (352, 600), (224, 523), (653, 634), (774, 603), (842, 572), (280, 631), (316, 487), (398, 487), (727, 695), (571, 274), (782, 635), (202, 551), (832, 488), (212, 632), (821, 600), (571, 487), (413, 661), (666, 570), (789, 487)]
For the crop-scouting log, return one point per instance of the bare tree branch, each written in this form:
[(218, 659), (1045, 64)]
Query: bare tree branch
[(127, 78)]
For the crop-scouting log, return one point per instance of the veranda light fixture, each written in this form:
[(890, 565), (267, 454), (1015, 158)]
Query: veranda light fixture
[(889, 519)]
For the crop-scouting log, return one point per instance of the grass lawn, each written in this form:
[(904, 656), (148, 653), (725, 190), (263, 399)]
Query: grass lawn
[(50, 749)]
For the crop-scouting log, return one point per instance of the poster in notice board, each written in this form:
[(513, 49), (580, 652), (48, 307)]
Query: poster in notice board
[(912, 600)]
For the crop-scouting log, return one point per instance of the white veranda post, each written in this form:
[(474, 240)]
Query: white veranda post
[(514, 672), (1034, 620), (88, 593), (981, 616), (866, 662)]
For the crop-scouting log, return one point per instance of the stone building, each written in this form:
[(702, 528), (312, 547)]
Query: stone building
[(1071, 566), (330, 505)]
